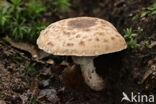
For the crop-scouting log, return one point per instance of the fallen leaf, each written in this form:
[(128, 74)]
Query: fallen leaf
[(32, 49), (36, 53)]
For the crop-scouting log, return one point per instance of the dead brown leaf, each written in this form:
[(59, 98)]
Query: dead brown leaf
[(36, 53)]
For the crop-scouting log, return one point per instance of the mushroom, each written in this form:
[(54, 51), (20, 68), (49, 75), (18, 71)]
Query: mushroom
[(83, 38)]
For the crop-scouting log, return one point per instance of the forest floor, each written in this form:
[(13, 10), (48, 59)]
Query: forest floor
[(24, 80)]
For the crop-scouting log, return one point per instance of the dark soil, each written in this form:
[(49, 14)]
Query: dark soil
[(121, 71)]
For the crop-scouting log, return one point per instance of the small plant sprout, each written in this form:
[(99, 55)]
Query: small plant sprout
[(34, 101), (20, 29), (30, 69), (61, 5), (129, 34), (34, 9), (4, 19), (149, 10), (145, 43), (22, 20), (131, 38), (139, 30), (152, 8)]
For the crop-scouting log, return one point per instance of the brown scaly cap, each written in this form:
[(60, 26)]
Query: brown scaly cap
[(81, 36)]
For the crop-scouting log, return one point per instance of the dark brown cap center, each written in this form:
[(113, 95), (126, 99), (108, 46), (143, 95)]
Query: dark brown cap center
[(81, 23)]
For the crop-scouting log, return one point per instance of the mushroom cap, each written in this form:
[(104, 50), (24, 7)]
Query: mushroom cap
[(81, 36)]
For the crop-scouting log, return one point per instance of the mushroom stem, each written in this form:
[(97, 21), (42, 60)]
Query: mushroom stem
[(92, 79)]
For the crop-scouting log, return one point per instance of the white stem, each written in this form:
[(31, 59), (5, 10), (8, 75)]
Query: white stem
[(92, 79)]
